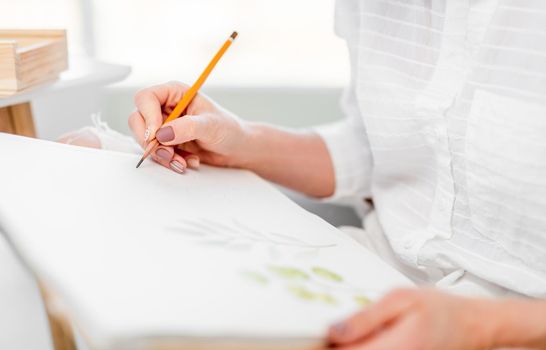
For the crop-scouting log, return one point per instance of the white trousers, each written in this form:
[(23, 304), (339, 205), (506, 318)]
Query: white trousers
[(458, 282)]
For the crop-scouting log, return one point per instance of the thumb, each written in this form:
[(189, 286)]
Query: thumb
[(373, 318), (184, 129)]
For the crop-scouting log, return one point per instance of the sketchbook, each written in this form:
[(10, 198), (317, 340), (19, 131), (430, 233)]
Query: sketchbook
[(147, 258)]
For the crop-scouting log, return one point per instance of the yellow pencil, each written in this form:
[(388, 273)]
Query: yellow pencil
[(189, 95)]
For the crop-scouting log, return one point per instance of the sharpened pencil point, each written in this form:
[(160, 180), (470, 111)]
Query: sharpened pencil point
[(234, 35), (140, 162)]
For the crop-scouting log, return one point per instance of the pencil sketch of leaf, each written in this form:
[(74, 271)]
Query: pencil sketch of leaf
[(190, 233), (216, 225), (282, 239), (222, 229), (263, 235), (279, 238), (209, 227), (238, 234), (214, 243), (287, 238), (239, 246), (204, 234)]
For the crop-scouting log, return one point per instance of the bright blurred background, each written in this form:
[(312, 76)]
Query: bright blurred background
[(287, 67)]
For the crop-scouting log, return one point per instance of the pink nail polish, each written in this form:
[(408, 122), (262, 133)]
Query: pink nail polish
[(163, 154), (165, 134), (176, 166)]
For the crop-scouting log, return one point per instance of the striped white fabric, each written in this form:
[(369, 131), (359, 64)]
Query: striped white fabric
[(446, 131)]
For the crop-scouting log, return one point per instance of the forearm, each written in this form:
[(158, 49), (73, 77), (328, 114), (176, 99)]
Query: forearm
[(518, 323), (296, 159)]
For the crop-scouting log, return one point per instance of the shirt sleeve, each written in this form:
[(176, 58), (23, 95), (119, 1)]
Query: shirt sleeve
[(347, 140), (111, 139)]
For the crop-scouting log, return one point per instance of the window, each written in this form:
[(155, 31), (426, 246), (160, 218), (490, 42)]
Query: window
[(281, 42), (50, 14)]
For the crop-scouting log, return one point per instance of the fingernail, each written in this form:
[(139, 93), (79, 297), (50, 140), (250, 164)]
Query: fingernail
[(176, 166), (193, 162), (146, 134), (165, 134), (163, 154)]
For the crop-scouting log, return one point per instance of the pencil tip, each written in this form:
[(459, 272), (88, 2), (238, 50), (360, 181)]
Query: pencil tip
[(140, 162), (234, 35)]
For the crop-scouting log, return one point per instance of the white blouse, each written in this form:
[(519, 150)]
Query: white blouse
[(446, 131)]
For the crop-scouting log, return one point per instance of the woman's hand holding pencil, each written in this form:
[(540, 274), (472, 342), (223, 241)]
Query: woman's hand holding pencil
[(182, 105), (180, 128), (205, 133)]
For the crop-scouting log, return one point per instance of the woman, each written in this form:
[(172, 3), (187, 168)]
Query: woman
[(444, 132)]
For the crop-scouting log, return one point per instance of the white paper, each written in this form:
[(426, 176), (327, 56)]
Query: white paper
[(145, 255)]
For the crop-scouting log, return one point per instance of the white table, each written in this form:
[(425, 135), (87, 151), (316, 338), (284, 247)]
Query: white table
[(16, 117)]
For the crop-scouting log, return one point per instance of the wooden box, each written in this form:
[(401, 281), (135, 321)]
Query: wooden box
[(30, 57)]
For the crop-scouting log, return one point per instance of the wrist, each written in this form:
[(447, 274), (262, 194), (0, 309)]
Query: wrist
[(482, 320), (247, 150), (519, 323)]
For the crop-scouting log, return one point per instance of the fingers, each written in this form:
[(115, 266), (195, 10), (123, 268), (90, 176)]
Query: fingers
[(192, 160), (388, 340), (138, 127), (151, 101), (181, 130), (364, 323), (169, 159), (163, 156), (178, 164), (176, 159)]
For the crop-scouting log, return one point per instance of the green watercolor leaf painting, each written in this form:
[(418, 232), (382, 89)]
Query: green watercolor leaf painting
[(326, 274), (307, 284), (290, 273)]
